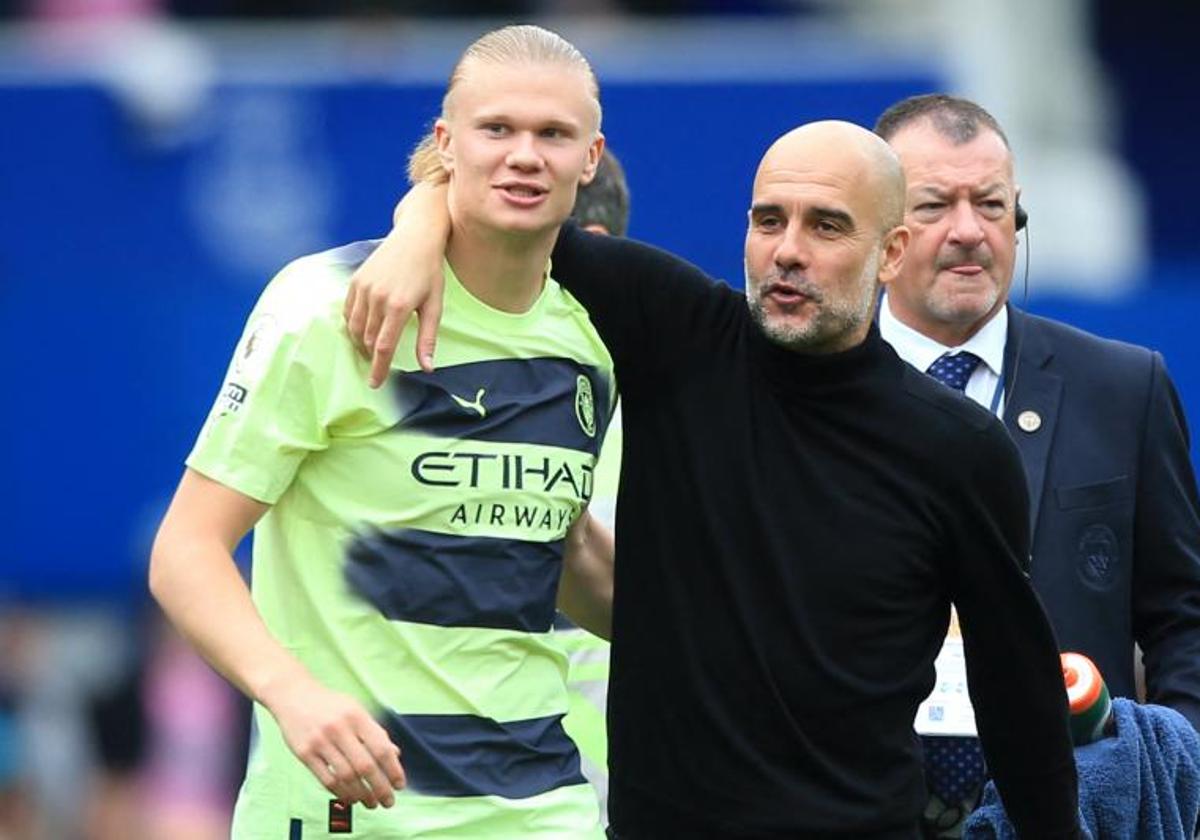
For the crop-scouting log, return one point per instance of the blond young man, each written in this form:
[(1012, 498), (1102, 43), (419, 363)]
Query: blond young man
[(409, 540)]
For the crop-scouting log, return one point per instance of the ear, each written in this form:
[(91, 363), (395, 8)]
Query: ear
[(893, 247), (1017, 203), (595, 150), (441, 136)]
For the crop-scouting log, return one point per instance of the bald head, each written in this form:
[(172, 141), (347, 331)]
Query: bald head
[(848, 155), (825, 228)]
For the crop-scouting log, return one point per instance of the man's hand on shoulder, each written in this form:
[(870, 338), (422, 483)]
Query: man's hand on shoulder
[(402, 277)]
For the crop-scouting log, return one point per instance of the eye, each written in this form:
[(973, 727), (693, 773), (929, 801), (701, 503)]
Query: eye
[(993, 208), (927, 212), (768, 224), (553, 133), (825, 227), (494, 129)]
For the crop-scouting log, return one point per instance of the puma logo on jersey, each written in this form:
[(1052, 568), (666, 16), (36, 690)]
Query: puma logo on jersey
[(476, 406)]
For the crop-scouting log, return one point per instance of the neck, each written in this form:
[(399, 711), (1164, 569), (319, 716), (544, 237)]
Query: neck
[(505, 271)]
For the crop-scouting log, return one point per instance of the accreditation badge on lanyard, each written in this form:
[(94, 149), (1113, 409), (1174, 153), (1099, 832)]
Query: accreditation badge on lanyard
[(947, 710)]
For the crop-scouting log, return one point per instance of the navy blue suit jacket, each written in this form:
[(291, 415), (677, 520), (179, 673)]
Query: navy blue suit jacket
[(1116, 548)]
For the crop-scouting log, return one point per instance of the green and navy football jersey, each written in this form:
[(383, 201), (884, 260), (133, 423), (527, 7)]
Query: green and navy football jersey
[(412, 552)]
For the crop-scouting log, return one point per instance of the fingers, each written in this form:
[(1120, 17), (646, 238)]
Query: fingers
[(388, 757), (378, 308), (363, 778), (429, 316), (356, 762), (376, 315), (354, 311), (348, 303), (368, 753), (334, 774), (384, 345)]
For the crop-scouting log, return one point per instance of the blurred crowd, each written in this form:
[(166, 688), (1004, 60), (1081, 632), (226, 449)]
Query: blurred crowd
[(110, 727), (76, 9)]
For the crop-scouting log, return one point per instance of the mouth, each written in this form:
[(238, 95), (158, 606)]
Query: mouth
[(786, 295), (522, 194), (965, 269)]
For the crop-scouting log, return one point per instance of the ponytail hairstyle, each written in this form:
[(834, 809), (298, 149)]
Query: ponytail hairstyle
[(524, 44)]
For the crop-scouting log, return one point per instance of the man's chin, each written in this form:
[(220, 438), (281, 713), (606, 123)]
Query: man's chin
[(787, 332), (964, 309)]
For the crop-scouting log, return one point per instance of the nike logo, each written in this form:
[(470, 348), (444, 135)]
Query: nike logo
[(476, 406)]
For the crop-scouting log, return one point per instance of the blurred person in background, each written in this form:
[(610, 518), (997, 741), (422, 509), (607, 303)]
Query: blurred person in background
[(788, 560), (1114, 511), (76, 675), (116, 719), (196, 727), (601, 206), (409, 542), (16, 810), (94, 11)]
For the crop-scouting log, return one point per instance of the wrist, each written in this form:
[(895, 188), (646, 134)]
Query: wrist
[(273, 685)]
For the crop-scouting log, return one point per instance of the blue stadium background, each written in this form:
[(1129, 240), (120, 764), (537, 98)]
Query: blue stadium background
[(129, 261)]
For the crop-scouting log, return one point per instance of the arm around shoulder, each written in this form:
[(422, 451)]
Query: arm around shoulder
[(637, 295), (402, 278)]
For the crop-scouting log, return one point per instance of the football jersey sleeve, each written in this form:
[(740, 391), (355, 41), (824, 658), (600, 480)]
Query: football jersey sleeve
[(274, 405)]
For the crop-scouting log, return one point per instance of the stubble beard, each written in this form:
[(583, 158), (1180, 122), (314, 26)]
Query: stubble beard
[(833, 325), (959, 311)]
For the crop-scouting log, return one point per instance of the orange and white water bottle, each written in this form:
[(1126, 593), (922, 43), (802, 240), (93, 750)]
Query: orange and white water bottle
[(1087, 695)]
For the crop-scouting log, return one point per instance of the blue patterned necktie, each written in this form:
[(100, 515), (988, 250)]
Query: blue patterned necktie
[(954, 370), (954, 767)]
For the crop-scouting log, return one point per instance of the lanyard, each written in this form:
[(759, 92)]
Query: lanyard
[(998, 393)]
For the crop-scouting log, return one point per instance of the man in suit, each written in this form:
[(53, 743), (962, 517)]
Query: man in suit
[(1116, 548)]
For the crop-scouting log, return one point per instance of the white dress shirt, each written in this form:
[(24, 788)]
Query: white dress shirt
[(921, 351)]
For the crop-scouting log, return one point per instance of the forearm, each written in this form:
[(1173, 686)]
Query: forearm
[(585, 593), (1022, 717), (1013, 669), (423, 209), (198, 586)]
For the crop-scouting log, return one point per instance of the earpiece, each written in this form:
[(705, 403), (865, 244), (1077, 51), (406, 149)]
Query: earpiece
[(1022, 218)]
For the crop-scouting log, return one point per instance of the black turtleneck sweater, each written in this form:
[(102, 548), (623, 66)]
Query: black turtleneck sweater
[(791, 532)]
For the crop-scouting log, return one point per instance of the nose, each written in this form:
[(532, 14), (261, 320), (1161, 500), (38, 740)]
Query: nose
[(524, 154), (965, 229), (792, 251)]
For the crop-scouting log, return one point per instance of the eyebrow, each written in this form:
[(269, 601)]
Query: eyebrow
[(760, 208), (830, 214), (565, 124), (823, 213), (931, 189)]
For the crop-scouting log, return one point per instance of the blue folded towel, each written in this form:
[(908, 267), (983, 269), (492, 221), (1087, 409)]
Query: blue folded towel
[(1144, 782)]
